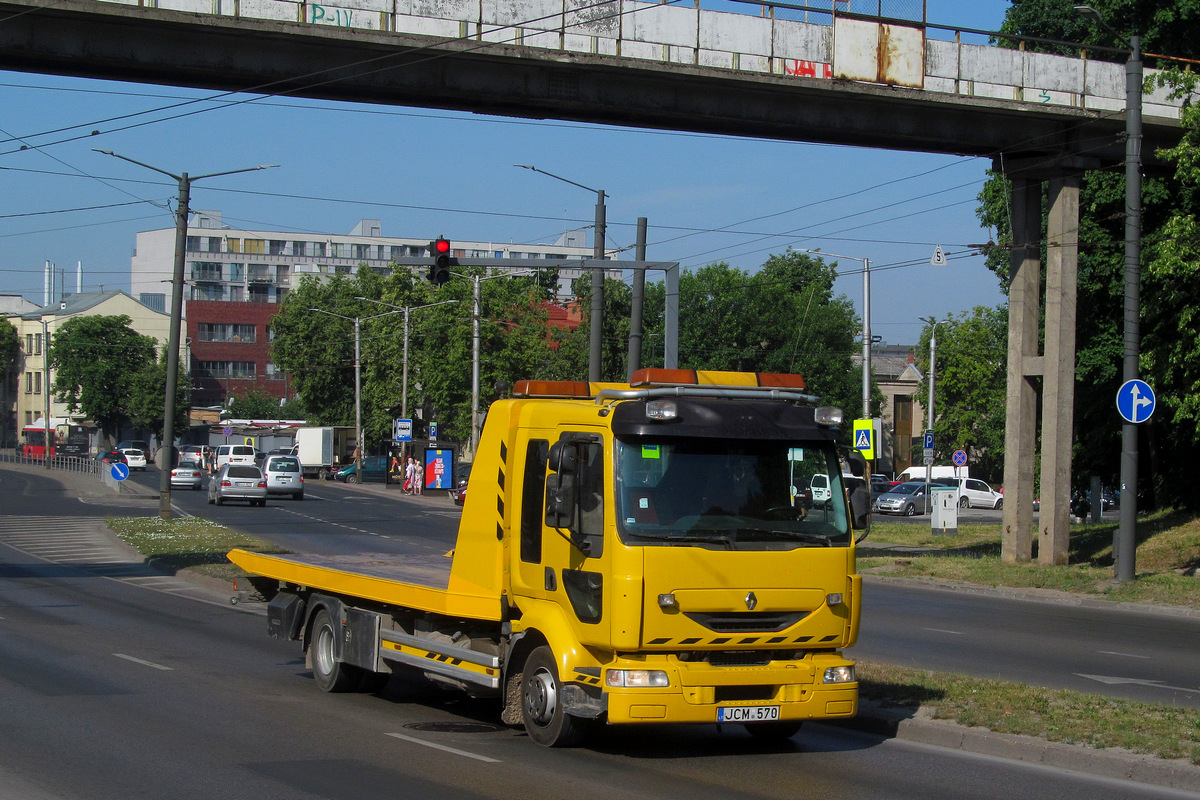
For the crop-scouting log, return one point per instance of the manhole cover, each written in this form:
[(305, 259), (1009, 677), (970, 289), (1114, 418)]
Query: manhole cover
[(453, 727)]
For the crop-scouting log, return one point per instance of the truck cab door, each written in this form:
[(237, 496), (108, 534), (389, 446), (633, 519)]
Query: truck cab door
[(562, 555)]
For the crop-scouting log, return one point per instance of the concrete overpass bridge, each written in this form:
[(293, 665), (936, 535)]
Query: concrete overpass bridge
[(776, 72)]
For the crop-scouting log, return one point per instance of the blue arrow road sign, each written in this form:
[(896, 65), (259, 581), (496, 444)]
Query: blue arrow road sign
[(120, 471), (1135, 401)]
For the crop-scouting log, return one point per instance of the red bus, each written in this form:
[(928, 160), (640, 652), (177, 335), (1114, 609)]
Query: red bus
[(33, 442)]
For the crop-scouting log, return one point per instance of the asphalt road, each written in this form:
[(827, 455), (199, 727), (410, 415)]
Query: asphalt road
[(113, 688), (1111, 651)]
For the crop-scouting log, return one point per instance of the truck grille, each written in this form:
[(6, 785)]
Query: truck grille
[(748, 622)]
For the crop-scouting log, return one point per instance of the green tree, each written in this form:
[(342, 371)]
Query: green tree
[(1166, 26), (10, 349), (318, 350), (783, 318), (147, 394), (255, 404), (969, 387), (94, 359)]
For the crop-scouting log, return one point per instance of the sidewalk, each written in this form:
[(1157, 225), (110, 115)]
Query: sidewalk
[(872, 719)]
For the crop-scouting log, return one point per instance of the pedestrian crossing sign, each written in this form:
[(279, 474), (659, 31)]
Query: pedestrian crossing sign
[(864, 438)]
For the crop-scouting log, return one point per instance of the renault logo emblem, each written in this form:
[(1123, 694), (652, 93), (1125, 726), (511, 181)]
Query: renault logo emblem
[(751, 601)]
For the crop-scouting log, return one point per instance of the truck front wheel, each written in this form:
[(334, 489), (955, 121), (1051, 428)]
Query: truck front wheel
[(546, 722), (331, 674)]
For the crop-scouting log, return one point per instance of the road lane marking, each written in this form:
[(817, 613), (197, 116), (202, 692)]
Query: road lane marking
[(1113, 680), (941, 630), (443, 747), (1124, 655), (143, 663)]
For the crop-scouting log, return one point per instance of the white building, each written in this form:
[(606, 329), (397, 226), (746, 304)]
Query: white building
[(25, 399), (228, 264)]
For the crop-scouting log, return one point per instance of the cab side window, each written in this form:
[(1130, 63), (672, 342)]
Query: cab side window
[(532, 487)]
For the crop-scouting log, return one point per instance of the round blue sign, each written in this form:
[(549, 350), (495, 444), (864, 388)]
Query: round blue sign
[(227, 431), (1135, 401), (119, 471), (960, 458)]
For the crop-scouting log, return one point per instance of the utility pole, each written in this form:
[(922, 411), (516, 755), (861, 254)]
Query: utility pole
[(638, 299), (167, 454)]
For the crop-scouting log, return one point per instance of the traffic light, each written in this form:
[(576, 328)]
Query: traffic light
[(439, 270)]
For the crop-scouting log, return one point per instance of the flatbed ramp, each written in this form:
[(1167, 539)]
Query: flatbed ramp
[(419, 582)]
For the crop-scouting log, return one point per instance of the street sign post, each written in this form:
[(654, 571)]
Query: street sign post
[(864, 438), (1135, 401), (433, 431), (960, 458), (119, 471), (402, 430)]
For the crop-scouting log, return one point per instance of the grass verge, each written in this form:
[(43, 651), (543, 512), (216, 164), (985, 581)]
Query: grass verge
[(188, 543), (1168, 550), (1052, 715)]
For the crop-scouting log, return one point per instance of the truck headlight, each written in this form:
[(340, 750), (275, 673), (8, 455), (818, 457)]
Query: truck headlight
[(636, 677), (840, 674)]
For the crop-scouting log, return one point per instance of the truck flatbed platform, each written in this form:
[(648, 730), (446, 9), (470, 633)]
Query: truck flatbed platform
[(419, 582)]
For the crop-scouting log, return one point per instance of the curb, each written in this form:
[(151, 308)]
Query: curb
[(1108, 763)]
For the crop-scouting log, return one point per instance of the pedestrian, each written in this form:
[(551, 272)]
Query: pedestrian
[(418, 478), (409, 473)]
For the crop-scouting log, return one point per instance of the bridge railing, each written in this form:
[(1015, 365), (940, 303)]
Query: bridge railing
[(888, 51)]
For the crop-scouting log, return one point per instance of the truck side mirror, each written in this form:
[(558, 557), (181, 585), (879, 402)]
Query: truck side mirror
[(560, 499), (860, 505), (563, 457)]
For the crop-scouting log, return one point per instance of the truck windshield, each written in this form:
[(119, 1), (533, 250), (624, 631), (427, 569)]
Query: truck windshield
[(732, 494)]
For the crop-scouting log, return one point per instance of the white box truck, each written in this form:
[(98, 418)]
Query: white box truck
[(324, 449)]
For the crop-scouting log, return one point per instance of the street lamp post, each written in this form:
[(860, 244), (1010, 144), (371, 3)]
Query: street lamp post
[(358, 321), (596, 332), (931, 321), (404, 369), (867, 338), (1125, 542), (167, 456)]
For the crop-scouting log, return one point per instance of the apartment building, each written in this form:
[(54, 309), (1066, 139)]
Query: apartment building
[(235, 279)]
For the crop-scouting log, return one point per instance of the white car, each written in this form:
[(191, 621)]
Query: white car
[(188, 473), (284, 476), (135, 458), (973, 493)]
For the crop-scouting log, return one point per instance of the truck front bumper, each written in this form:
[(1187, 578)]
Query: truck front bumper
[(698, 691)]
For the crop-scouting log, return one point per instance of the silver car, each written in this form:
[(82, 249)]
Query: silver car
[(284, 476), (238, 482), (908, 499), (188, 473)]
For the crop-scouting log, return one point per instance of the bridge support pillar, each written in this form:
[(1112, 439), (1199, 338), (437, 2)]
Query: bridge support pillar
[(1056, 367)]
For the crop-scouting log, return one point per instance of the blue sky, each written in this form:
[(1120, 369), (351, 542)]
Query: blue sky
[(427, 173)]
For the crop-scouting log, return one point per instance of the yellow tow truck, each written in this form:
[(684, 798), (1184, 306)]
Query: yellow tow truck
[(628, 553)]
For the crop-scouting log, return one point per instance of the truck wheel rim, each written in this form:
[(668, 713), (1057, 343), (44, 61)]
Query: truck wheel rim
[(324, 651), (541, 697)]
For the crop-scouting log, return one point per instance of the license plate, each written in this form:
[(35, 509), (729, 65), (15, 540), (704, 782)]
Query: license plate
[(747, 713), (284, 480), (245, 483)]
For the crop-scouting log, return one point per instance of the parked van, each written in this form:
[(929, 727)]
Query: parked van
[(235, 454), (918, 473)]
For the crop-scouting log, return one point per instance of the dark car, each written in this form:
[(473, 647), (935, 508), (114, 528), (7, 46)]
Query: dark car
[(375, 470), (112, 457), (460, 493)]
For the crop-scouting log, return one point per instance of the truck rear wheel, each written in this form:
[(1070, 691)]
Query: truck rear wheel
[(331, 674), (546, 721)]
